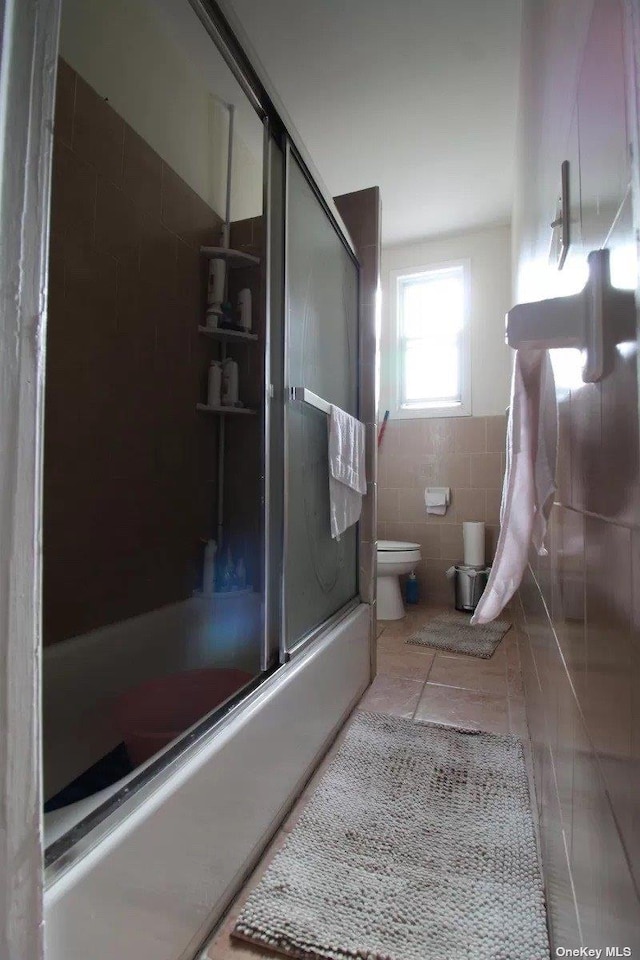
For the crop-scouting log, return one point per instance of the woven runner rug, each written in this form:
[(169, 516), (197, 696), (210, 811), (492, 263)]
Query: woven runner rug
[(418, 844)]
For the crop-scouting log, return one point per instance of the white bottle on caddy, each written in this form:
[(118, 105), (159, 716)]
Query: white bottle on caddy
[(244, 310), (215, 291), (229, 383), (209, 568), (214, 384)]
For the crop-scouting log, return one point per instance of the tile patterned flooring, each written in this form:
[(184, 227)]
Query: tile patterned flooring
[(411, 682)]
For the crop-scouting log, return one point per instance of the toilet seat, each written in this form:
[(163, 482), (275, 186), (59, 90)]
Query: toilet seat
[(386, 545), (398, 551)]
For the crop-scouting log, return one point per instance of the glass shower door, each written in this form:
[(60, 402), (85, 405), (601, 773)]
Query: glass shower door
[(321, 356)]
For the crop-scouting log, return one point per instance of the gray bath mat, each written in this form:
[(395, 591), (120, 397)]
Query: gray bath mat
[(453, 632), (418, 844)]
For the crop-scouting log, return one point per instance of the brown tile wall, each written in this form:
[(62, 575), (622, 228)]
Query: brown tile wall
[(130, 469), (464, 453), (581, 604), (362, 215)]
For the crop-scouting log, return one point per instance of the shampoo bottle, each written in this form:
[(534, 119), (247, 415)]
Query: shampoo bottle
[(215, 288), (241, 575), (244, 310), (214, 384), (209, 568), (228, 574), (215, 292), (229, 383)]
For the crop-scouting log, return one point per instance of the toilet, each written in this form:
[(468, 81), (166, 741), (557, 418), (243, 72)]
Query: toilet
[(395, 557)]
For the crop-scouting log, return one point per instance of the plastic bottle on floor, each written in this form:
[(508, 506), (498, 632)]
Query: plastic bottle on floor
[(411, 592)]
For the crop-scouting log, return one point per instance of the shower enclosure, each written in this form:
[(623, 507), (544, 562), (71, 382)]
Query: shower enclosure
[(248, 680)]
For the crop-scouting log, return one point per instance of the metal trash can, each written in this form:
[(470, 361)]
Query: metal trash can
[(469, 584)]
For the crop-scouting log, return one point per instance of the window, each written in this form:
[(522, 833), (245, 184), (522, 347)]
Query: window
[(432, 343)]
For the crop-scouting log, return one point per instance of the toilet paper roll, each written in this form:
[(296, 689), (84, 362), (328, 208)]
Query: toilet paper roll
[(437, 499), (473, 537)]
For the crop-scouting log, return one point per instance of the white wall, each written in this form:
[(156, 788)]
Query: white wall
[(489, 254), (161, 72)]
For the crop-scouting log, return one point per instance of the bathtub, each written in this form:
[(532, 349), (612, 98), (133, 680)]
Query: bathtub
[(165, 872), (83, 676)]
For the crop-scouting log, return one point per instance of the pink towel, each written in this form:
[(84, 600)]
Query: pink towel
[(529, 480)]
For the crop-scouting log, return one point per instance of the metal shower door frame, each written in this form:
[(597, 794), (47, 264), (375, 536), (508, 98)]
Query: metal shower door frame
[(288, 651)]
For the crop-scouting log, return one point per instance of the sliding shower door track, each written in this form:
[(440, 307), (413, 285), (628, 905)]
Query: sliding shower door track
[(322, 629)]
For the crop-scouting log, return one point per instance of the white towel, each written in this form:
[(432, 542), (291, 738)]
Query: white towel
[(529, 481), (347, 480)]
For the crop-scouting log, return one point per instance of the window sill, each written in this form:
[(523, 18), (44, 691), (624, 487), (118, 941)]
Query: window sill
[(430, 413)]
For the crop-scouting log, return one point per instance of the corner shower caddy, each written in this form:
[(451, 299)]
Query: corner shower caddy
[(234, 258), (229, 336)]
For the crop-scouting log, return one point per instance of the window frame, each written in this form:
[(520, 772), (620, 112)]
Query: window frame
[(397, 410)]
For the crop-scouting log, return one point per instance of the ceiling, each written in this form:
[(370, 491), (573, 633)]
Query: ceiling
[(415, 96)]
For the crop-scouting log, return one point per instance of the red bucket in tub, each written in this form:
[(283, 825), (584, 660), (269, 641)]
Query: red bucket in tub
[(157, 711)]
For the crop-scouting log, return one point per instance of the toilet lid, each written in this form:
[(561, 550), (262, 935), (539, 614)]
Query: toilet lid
[(395, 545)]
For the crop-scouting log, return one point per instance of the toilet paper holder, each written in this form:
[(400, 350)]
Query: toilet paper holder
[(437, 499), (578, 320)]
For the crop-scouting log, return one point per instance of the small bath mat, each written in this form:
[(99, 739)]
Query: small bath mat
[(418, 844), (453, 632)]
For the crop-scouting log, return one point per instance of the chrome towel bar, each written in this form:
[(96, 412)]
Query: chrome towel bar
[(307, 396)]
